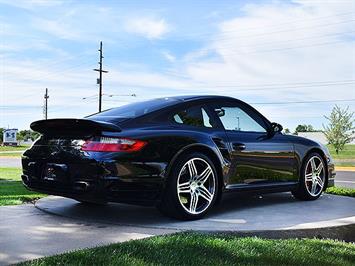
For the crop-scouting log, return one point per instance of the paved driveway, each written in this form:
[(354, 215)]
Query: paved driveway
[(28, 233), (58, 225)]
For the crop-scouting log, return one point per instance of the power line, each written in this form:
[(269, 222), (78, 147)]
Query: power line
[(108, 95), (281, 31), (298, 102), (247, 87), (262, 44), (283, 49), (279, 25)]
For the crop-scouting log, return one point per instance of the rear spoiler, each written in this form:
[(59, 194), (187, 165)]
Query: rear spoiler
[(72, 127)]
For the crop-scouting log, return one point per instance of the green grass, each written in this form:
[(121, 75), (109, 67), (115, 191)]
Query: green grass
[(204, 249), (11, 154), (345, 164), (14, 148), (12, 192), (12, 151), (350, 192), (347, 153), (10, 173)]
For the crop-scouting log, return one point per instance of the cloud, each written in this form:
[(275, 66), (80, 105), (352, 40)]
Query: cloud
[(257, 56), (32, 4), (59, 29), (278, 43), (168, 56), (150, 28)]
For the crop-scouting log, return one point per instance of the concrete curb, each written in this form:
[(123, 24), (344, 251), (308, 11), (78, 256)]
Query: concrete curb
[(343, 233)]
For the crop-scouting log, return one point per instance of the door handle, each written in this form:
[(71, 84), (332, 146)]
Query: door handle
[(239, 146)]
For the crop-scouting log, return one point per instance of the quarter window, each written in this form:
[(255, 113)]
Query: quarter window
[(234, 118), (193, 116)]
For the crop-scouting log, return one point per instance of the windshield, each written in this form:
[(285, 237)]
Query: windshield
[(132, 110)]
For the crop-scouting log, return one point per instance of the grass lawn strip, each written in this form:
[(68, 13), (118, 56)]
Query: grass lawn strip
[(349, 192), (12, 192), (14, 148), (207, 249)]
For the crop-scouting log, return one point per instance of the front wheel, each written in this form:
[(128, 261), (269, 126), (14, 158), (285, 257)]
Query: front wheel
[(192, 188), (312, 179)]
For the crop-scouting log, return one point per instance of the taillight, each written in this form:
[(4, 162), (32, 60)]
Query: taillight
[(113, 144)]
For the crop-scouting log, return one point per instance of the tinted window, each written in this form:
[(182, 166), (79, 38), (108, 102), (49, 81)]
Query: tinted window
[(132, 110), (234, 118), (193, 116)]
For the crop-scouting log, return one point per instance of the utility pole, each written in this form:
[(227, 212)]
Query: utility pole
[(45, 107), (99, 81)]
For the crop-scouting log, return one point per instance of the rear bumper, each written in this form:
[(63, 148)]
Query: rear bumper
[(98, 181)]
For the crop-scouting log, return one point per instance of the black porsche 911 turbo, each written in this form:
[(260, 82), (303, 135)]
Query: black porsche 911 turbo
[(179, 154)]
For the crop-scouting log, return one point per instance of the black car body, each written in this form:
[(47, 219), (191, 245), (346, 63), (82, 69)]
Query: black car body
[(74, 158)]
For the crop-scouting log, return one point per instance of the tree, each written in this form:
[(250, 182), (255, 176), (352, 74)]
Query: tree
[(27, 134), (23, 135), (338, 132), (287, 131), (304, 128)]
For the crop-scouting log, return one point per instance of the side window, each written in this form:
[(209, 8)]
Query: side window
[(193, 116), (234, 118)]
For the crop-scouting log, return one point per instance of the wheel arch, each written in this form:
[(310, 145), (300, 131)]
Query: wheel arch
[(210, 153)]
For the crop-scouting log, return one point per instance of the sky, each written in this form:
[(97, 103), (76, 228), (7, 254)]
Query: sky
[(292, 60)]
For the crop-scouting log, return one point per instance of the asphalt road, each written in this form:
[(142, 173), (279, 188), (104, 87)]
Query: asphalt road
[(343, 179), (10, 162)]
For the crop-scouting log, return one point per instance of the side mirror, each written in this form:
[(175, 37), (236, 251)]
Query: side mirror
[(220, 112), (275, 127)]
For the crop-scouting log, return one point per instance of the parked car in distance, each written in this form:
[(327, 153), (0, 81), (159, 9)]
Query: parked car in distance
[(180, 154)]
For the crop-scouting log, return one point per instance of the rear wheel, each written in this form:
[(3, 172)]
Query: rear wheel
[(312, 179), (192, 188)]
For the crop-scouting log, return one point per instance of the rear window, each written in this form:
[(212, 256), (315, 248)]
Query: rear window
[(132, 110)]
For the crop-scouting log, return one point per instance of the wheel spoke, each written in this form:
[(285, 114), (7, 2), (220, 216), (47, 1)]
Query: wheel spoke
[(320, 182), (204, 193), (309, 177), (193, 202), (202, 178), (314, 187), (313, 165), (319, 169), (192, 169), (184, 188)]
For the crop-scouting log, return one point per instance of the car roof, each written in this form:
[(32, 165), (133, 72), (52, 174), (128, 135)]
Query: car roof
[(187, 98)]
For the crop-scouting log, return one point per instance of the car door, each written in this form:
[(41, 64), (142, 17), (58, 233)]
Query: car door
[(257, 157)]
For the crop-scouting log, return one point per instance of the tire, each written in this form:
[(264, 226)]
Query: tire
[(198, 188), (313, 178)]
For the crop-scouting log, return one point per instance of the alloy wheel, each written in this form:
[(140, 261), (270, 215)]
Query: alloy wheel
[(314, 176), (196, 185)]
